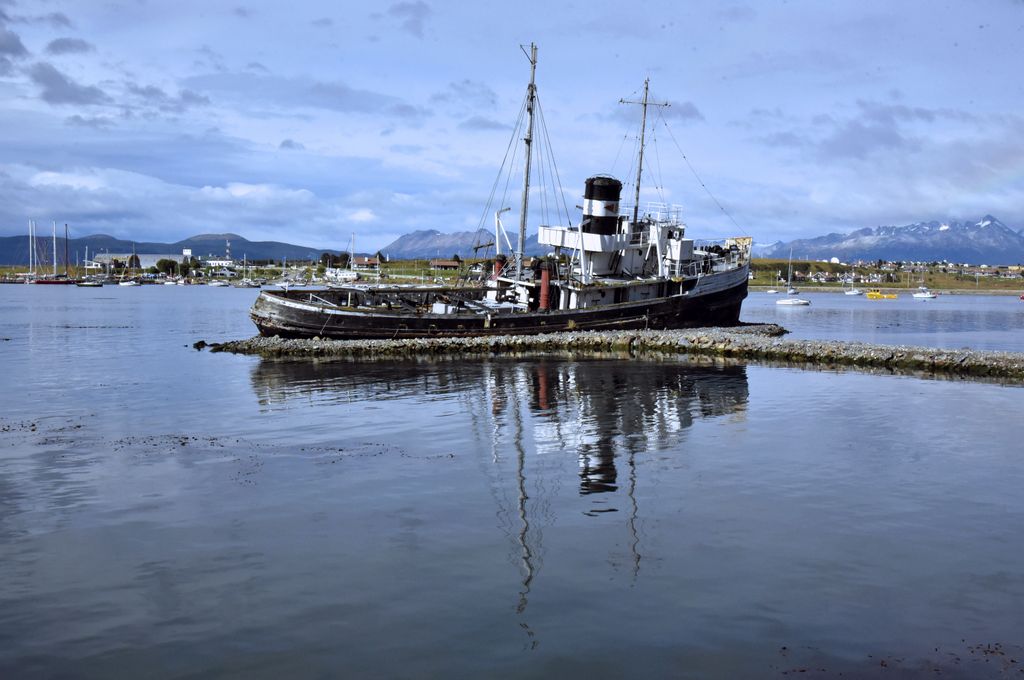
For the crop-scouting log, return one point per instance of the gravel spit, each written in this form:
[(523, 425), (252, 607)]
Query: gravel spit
[(754, 341)]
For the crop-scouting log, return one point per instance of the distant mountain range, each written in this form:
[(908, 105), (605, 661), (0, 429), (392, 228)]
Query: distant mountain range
[(14, 249), (985, 241), (429, 243)]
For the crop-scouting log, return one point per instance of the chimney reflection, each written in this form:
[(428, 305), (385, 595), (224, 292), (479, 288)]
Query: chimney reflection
[(599, 410), (526, 419)]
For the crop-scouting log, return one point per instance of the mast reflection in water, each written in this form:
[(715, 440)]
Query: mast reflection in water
[(605, 411), (528, 417)]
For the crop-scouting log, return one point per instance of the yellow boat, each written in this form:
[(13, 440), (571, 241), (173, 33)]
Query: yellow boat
[(875, 294)]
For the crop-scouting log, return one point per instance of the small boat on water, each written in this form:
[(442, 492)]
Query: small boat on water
[(876, 294), (771, 291), (614, 269), (89, 283), (128, 277), (218, 283), (924, 294), (791, 299), (852, 290)]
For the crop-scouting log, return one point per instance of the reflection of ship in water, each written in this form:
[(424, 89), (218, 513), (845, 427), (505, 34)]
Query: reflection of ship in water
[(609, 413), (530, 416), (603, 410)]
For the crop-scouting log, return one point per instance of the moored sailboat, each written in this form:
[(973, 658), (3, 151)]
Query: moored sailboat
[(130, 280), (791, 298), (852, 290)]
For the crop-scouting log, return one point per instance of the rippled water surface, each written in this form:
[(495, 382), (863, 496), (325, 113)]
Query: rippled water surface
[(172, 513)]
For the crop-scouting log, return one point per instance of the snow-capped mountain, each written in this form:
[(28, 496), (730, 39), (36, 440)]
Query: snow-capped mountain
[(760, 249), (987, 241)]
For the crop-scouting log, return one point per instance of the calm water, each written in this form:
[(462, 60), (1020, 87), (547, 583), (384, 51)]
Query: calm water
[(172, 513), (993, 322)]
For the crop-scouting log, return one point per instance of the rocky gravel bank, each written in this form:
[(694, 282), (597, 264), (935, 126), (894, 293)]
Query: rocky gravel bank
[(755, 342)]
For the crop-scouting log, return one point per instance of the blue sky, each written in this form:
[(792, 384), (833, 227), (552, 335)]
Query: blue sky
[(309, 121)]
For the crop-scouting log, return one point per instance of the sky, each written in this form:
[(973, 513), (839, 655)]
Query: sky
[(309, 122)]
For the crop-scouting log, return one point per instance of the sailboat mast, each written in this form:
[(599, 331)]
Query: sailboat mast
[(640, 165), (65, 250), (55, 247), (31, 249), (531, 96)]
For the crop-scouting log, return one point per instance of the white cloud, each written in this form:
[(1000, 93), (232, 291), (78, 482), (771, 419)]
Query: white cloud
[(90, 182), (256, 193), (362, 215)]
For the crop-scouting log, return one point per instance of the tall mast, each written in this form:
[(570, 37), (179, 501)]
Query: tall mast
[(643, 129), (531, 96), (31, 249), (55, 247), (640, 165), (65, 250)]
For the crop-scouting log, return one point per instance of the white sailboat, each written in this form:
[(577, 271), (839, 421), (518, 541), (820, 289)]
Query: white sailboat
[(791, 292), (339, 275), (247, 281), (852, 290)]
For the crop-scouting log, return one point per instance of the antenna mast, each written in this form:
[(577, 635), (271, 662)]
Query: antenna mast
[(531, 95), (643, 128)]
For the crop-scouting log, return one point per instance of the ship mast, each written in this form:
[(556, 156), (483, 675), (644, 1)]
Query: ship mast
[(531, 96), (643, 128)]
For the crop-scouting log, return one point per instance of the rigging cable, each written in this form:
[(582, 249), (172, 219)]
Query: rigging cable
[(619, 152), (659, 185), (554, 167), (699, 180), (514, 163), (541, 151), (497, 179), (633, 160), (552, 172)]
